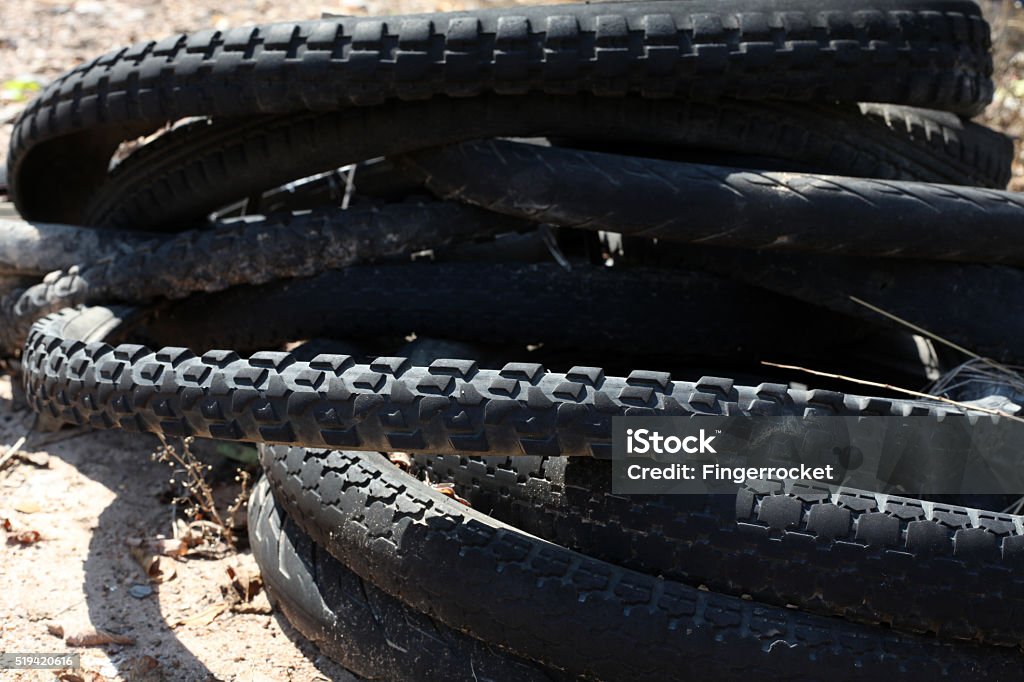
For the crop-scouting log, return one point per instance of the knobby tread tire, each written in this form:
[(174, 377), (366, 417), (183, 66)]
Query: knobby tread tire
[(914, 565), (589, 617), (450, 407), (192, 170), (369, 632), (720, 206), (928, 53)]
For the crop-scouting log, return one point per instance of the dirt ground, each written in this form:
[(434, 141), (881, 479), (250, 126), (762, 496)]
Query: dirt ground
[(86, 494), (95, 491)]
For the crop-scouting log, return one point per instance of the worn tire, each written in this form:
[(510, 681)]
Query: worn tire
[(912, 565), (721, 206), (928, 53), (166, 184), (987, 319), (251, 250), (631, 311), (586, 616), (450, 407), (369, 632)]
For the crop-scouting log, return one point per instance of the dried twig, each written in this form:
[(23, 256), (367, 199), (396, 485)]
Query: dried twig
[(897, 389), (12, 451), (199, 500), (931, 335)]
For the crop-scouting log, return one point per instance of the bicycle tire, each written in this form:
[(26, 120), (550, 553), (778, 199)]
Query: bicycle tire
[(720, 206), (450, 407), (585, 308), (369, 632), (561, 608), (985, 320), (929, 53), (236, 252), (164, 183), (190, 171), (36, 249), (916, 566)]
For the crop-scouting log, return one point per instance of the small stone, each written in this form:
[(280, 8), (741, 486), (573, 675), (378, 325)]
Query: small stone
[(140, 591)]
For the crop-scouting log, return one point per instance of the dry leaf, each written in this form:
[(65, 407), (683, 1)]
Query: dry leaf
[(156, 569), (402, 460), (144, 669), (259, 607), (85, 676), (6, 525), (244, 585), (96, 637), (40, 460), (26, 537), (161, 545), (55, 629), (447, 489)]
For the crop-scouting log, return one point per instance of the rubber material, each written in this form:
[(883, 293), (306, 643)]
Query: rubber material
[(587, 308), (558, 318), (882, 141), (192, 170), (369, 632), (549, 603), (451, 407), (246, 251), (988, 316), (719, 206), (929, 53), (913, 565), (35, 249)]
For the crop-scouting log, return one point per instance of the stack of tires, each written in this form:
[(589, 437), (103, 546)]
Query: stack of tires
[(691, 186)]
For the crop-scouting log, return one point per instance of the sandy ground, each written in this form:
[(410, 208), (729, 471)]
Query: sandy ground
[(96, 490)]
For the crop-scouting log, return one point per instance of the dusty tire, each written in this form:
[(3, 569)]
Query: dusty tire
[(586, 616), (928, 53), (372, 634)]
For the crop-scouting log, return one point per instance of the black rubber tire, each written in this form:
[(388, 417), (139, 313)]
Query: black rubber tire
[(882, 141), (912, 565), (450, 407), (615, 317), (185, 174), (987, 319), (562, 608), (928, 53), (36, 249), (252, 250), (629, 311), (720, 206), (369, 632)]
